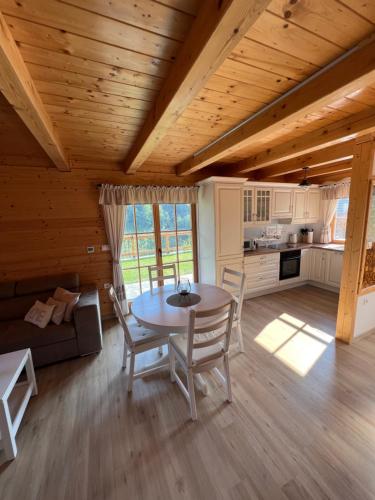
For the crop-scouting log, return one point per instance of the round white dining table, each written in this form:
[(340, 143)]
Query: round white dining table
[(152, 310)]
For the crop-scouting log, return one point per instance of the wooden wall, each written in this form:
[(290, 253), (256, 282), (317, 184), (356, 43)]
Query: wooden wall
[(48, 218)]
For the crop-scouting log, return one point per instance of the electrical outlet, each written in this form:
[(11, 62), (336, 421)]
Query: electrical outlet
[(90, 249), (107, 285)]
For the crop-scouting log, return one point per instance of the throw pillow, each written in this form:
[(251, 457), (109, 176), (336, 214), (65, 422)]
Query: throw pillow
[(40, 314), (59, 311), (69, 298)]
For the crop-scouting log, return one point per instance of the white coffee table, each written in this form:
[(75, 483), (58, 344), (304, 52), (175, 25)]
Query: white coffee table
[(14, 396)]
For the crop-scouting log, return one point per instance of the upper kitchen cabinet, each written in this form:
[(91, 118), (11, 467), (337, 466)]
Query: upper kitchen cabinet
[(306, 206), (282, 203), (257, 205), (220, 226)]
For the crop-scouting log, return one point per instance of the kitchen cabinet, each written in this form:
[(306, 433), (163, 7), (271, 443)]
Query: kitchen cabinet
[(334, 267), (306, 206), (220, 227), (306, 254), (257, 205), (282, 203), (318, 265), (262, 272)]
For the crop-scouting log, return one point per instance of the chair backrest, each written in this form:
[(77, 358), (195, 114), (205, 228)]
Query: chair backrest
[(234, 282), (159, 273), (215, 328), (120, 316)]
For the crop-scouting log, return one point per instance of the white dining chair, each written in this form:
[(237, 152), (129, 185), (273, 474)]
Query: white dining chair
[(234, 282), (137, 339), (161, 273), (202, 348)]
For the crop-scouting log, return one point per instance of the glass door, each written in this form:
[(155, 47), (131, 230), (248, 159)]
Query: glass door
[(157, 234)]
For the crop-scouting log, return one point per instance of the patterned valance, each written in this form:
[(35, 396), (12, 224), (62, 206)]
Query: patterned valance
[(130, 195), (336, 191)]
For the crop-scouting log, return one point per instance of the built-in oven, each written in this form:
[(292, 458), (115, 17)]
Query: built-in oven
[(290, 264)]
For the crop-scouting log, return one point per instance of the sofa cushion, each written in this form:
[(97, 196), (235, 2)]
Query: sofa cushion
[(17, 307), (36, 285), (7, 289), (18, 334)]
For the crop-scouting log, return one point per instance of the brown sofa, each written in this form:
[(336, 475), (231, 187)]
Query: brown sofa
[(81, 336)]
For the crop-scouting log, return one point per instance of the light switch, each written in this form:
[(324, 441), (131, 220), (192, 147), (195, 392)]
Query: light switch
[(90, 249)]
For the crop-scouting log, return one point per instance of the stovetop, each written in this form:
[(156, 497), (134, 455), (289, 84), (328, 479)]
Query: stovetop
[(282, 246)]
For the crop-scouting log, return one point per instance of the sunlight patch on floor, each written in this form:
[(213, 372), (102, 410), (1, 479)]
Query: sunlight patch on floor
[(295, 343)]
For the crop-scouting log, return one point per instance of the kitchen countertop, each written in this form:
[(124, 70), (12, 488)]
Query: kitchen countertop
[(295, 246)]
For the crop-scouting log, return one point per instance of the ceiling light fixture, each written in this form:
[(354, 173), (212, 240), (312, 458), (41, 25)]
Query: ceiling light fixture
[(305, 183)]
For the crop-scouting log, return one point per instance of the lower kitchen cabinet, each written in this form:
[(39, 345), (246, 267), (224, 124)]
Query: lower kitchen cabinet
[(334, 268), (235, 264), (262, 272), (306, 255)]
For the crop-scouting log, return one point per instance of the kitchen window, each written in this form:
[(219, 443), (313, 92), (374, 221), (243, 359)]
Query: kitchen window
[(338, 226)]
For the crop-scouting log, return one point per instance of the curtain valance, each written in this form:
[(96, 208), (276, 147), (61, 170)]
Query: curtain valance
[(336, 191), (129, 195)]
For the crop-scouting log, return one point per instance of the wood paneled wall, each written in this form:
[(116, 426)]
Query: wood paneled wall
[(48, 218)]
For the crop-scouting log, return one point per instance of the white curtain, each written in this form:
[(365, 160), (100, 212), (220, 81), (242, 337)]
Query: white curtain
[(130, 195), (336, 191), (328, 211), (114, 219)]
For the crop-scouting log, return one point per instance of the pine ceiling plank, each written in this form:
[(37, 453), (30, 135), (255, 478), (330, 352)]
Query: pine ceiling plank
[(82, 107), (78, 123), (90, 95), (234, 88), (61, 112), (188, 6), (254, 76), (223, 99), (64, 62), (364, 8), (60, 76), (356, 70), (272, 60), (145, 14), (63, 42), (276, 32), (95, 26), (329, 19), (216, 30), (18, 87), (217, 109), (334, 133), (337, 152)]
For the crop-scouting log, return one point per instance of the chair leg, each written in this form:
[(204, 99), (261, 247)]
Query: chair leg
[(193, 406), (227, 377), (131, 372), (240, 338), (125, 356), (172, 364)]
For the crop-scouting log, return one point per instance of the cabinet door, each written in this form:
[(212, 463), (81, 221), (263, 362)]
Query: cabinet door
[(334, 268), (282, 203), (313, 205), (305, 263), (248, 205), (235, 264), (228, 224), (263, 205), (318, 265), (299, 207)]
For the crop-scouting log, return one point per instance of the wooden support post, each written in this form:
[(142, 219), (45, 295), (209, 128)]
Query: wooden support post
[(362, 171)]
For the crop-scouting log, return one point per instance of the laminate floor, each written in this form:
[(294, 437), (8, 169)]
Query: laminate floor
[(301, 425)]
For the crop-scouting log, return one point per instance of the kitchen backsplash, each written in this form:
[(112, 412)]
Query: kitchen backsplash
[(256, 231)]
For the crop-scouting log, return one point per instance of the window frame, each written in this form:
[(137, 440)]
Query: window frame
[(333, 227)]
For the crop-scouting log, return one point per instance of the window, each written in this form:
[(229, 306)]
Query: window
[(339, 221), (157, 234)]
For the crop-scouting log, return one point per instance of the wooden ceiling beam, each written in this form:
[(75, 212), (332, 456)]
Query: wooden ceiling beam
[(339, 166), (332, 178), (337, 152), (18, 88), (353, 70), (219, 26), (335, 133)]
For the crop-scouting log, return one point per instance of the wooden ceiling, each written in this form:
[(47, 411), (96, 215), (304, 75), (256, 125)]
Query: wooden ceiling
[(100, 67)]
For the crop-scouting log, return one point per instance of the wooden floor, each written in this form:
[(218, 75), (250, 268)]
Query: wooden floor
[(301, 426)]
